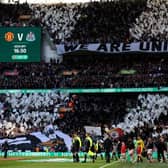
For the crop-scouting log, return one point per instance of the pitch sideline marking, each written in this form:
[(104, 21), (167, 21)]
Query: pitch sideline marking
[(109, 164)]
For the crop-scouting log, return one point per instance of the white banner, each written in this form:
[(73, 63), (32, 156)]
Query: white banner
[(93, 130), (20, 142), (152, 47), (11, 141), (41, 136)]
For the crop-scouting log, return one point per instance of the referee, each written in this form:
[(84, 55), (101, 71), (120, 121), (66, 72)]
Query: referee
[(89, 148), (76, 145)]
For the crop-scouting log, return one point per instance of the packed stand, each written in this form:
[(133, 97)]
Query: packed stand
[(11, 13), (135, 114), (22, 113), (126, 111), (152, 24), (30, 75), (109, 74), (89, 22), (92, 74), (107, 21), (123, 21), (58, 19), (93, 22), (31, 111), (102, 73)]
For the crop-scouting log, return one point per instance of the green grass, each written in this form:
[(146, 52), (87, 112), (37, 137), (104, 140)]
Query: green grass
[(97, 164)]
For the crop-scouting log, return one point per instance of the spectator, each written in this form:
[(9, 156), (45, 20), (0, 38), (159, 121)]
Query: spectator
[(152, 23), (161, 147), (5, 148)]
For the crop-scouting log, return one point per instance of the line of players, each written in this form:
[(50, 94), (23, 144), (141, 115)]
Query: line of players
[(118, 148)]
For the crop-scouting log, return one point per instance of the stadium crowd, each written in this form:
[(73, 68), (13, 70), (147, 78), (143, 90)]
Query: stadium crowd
[(124, 21), (58, 19), (11, 13), (94, 22), (115, 21), (37, 110), (152, 24), (90, 22), (25, 113), (102, 73), (66, 22)]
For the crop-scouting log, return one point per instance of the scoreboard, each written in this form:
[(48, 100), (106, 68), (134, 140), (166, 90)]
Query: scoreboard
[(20, 44)]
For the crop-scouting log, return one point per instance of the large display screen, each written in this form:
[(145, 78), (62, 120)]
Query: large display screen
[(20, 44)]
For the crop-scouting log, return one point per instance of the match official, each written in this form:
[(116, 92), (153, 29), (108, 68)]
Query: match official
[(76, 145)]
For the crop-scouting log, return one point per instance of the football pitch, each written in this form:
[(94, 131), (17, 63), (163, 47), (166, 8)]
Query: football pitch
[(33, 162)]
